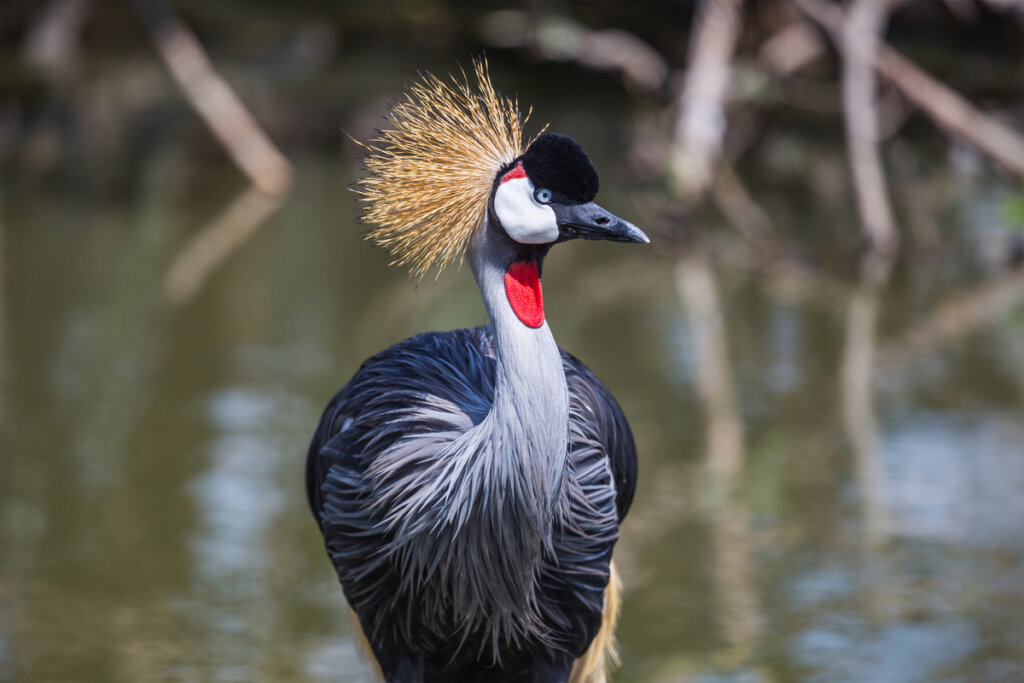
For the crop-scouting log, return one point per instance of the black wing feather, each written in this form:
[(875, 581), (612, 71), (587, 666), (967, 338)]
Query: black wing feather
[(611, 424), (356, 425)]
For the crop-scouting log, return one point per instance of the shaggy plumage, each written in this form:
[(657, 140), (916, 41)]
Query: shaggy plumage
[(375, 482), (430, 173)]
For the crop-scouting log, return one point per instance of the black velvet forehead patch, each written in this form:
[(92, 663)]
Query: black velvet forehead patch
[(558, 163)]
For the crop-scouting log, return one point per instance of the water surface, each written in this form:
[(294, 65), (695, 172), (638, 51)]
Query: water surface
[(154, 517)]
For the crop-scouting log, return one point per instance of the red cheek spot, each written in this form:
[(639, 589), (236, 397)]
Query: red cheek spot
[(522, 287), (516, 172)]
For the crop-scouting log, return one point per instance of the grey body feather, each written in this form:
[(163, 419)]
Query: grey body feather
[(469, 486)]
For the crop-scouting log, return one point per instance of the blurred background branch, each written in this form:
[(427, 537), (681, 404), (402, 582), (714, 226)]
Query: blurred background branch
[(213, 99), (944, 105), (700, 109)]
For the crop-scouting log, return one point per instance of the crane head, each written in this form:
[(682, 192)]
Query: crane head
[(547, 196), (450, 152)]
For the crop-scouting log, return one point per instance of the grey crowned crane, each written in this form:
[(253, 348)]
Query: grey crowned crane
[(469, 484)]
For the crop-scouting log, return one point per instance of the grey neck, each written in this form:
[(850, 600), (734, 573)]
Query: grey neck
[(530, 414)]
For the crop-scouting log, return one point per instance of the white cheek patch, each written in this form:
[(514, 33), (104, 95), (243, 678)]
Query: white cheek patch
[(525, 219)]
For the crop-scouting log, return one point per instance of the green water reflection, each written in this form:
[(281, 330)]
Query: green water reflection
[(154, 520)]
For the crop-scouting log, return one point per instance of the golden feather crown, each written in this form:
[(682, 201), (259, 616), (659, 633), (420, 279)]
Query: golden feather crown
[(429, 175)]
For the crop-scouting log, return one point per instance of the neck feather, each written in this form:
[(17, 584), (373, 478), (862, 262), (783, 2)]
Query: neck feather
[(506, 473), (499, 482), (529, 416)]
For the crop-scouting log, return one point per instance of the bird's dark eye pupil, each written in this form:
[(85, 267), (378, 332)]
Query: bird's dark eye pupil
[(543, 195)]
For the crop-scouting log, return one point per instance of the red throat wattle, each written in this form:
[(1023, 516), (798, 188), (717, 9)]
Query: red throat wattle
[(522, 287)]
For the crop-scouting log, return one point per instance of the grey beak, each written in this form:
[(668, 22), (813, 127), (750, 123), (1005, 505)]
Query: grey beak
[(590, 222)]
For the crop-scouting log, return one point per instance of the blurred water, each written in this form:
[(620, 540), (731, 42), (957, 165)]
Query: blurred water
[(154, 520)]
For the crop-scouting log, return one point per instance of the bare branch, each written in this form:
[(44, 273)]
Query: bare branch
[(944, 105), (214, 100), (53, 40), (559, 38), (791, 48), (861, 32), (739, 207), (952, 112), (700, 125)]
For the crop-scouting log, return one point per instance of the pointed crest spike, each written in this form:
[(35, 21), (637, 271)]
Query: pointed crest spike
[(430, 173)]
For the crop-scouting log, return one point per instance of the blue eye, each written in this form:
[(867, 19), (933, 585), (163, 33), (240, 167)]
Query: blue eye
[(542, 195)]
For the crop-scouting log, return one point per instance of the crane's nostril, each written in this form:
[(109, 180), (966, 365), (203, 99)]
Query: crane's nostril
[(603, 220)]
